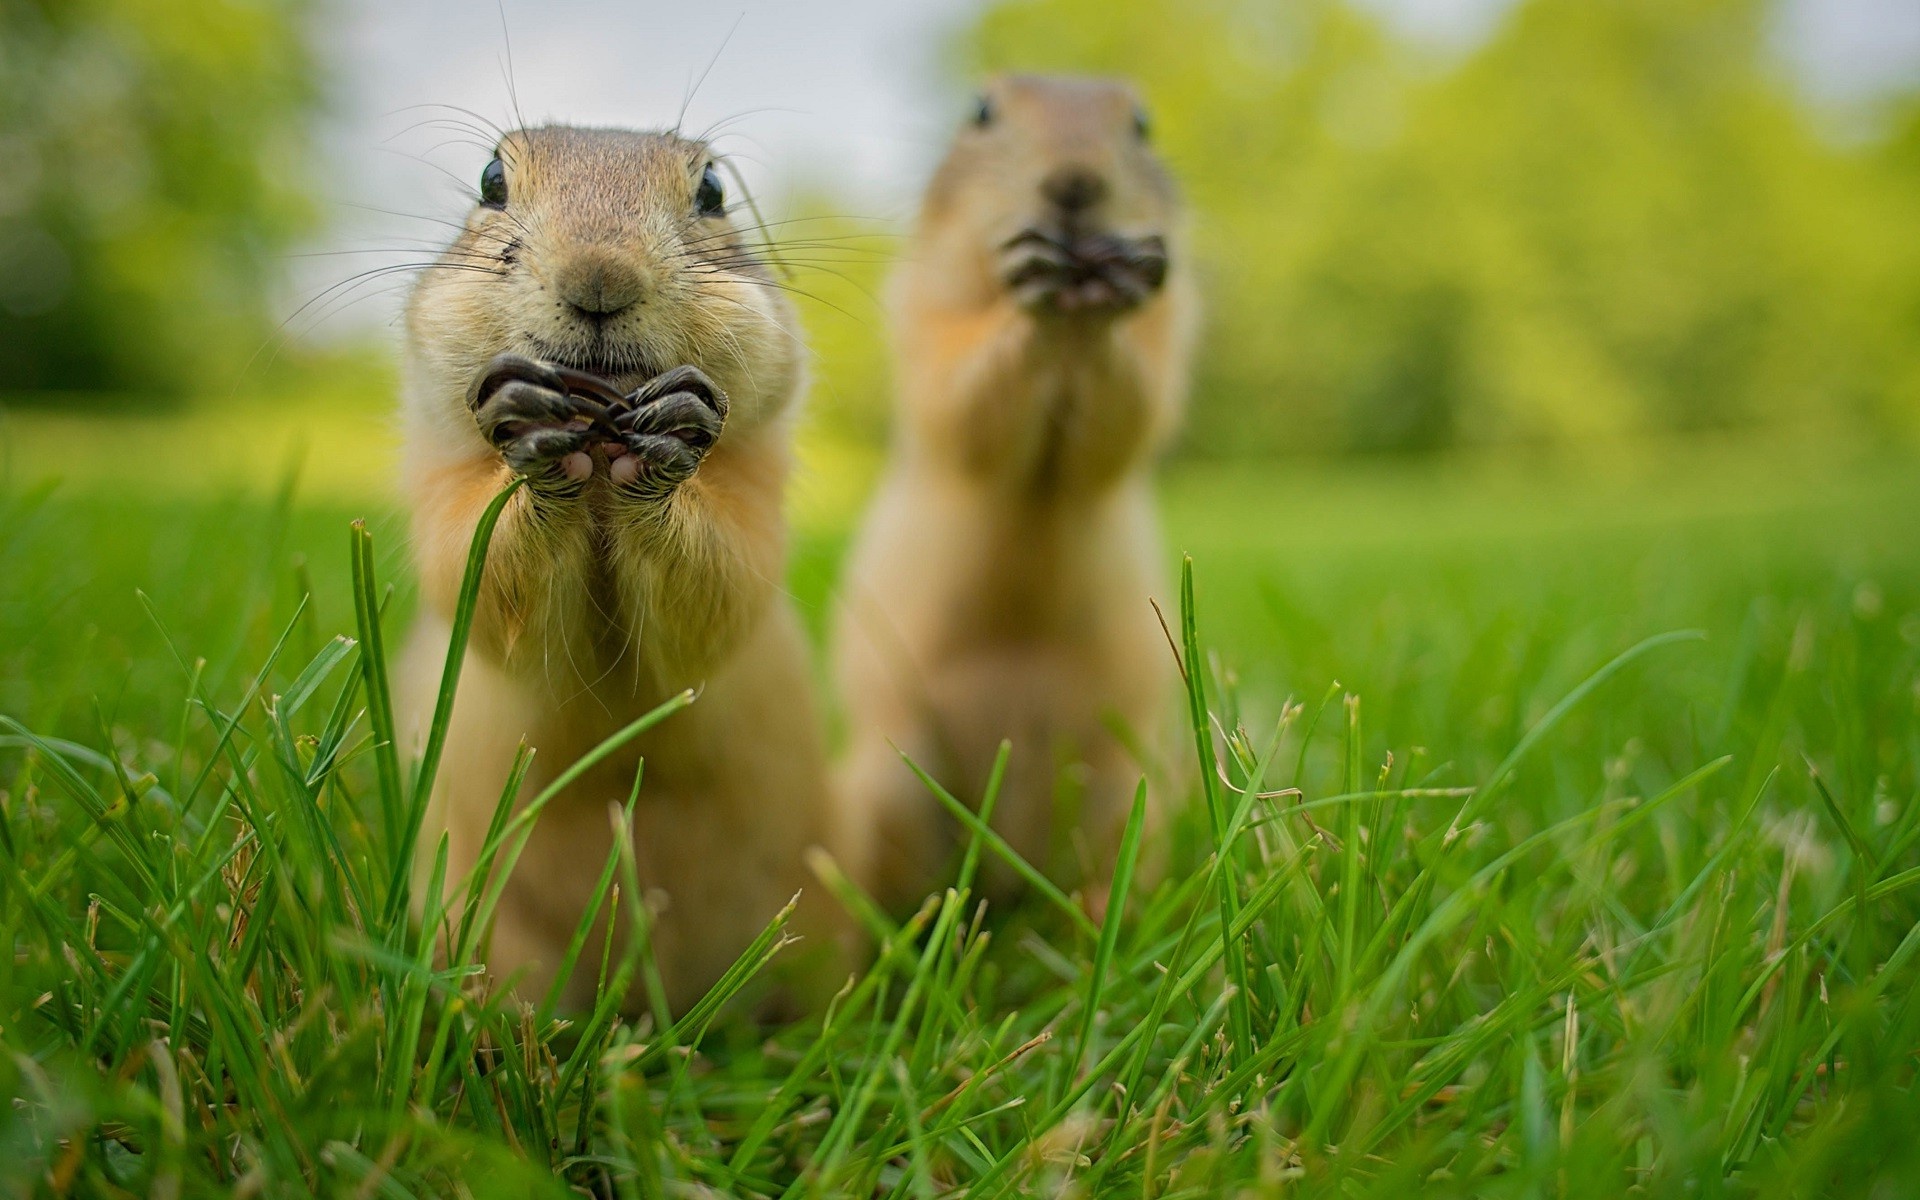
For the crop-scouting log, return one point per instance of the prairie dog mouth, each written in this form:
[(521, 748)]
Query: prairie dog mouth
[(616, 364)]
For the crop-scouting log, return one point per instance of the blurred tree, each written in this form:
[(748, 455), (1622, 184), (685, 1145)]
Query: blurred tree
[(155, 155), (1612, 217), (1900, 300)]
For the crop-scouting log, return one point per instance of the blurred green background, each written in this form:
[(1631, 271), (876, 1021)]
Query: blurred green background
[(1604, 220), (1603, 286), (1600, 296), (1611, 219), (155, 170)]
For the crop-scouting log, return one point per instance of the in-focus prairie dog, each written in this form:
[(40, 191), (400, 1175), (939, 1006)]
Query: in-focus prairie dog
[(1000, 585), (632, 565)]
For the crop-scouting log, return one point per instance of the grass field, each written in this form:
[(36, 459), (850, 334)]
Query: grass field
[(1603, 873)]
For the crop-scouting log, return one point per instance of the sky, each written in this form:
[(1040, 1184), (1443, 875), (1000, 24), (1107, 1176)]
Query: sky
[(847, 95)]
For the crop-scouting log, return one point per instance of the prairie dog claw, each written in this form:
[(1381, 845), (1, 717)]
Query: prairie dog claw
[(546, 419)]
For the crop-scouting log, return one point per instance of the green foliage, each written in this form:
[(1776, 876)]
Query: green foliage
[(156, 158), (1611, 218), (1566, 902)]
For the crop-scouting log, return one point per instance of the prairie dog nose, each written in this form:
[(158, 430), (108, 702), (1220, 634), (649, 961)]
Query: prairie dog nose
[(1074, 188), (598, 284)]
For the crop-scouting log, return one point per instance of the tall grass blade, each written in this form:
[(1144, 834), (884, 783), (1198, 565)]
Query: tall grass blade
[(429, 767), (1227, 884), (373, 669)]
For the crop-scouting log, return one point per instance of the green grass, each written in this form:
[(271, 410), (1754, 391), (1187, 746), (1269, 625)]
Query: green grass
[(1603, 873)]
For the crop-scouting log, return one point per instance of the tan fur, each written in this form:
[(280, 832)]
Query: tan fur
[(1000, 585), (598, 606)]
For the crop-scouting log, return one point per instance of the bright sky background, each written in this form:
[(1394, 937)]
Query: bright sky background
[(847, 94)]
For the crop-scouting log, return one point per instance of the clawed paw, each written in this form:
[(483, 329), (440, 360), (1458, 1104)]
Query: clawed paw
[(524, 412), (555, 424), (1094, 273), (667, 428)]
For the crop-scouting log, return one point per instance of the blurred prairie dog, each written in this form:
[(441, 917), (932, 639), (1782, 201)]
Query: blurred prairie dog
[(1000, 585), (632, 565)]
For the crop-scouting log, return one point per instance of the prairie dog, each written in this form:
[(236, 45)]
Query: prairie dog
[(629, 567), (999, 587)]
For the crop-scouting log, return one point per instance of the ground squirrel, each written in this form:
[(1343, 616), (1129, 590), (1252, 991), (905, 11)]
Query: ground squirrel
[(1000, 585), (644, 556)]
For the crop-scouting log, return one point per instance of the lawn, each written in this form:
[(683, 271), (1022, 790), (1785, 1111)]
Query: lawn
[(1603, 872)]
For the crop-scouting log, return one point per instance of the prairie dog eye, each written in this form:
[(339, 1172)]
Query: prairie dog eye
[(710, 199), (1141, 126), (982, 113), (493, 185)]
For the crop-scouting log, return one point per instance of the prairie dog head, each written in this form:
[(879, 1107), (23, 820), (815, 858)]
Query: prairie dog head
[(1047, 190), (608, 250)]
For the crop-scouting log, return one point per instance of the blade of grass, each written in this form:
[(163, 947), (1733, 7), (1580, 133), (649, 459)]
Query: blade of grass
[(993, 841), (1117, 891), (1240, 1018), (373, 669), (429, 766)]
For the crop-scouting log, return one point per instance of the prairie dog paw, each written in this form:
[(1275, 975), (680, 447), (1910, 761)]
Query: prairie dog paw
[(671, 423), (523, 410), (1095, 274)]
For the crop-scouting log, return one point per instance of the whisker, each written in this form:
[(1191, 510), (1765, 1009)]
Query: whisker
[(513, 91), (388, 212), (330, 300), (817, 261), (799, 342), (483, 147), (686, 101), (810, 219), (484, 135), (453, 108), (723, 122), (843, 255), (375, 272), (451, 257), (791, 290), (858, 243), (466, 189)]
